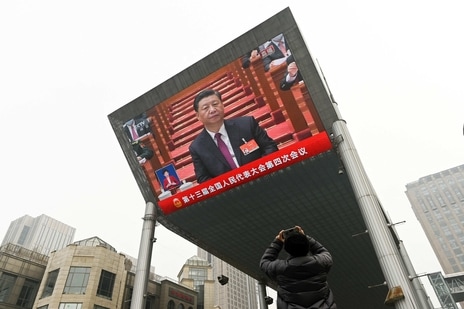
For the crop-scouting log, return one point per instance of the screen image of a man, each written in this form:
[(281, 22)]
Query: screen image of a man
[(217, 149)]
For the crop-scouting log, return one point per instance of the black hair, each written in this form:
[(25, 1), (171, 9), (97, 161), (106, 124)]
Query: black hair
[(297, 244), (203, 94)]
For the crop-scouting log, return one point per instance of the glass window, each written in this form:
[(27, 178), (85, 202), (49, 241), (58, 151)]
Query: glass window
[(422, 204), (70, 306), (99, 307), (6, 285), (148, 303), (50, 284), (78, 278), (431, 202), (24, 233), (171, 305), (458, 193), (27, 295), (43, 307), (199, 275), (106, 284)]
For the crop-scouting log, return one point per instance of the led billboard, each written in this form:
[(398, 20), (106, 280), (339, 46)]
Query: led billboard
[(265, 84), (234, 214)]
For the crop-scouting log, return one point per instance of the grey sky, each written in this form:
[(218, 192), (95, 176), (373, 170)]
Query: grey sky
[(395, 69)]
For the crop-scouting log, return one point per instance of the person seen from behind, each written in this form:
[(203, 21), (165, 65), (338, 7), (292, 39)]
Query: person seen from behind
[(302, 277)]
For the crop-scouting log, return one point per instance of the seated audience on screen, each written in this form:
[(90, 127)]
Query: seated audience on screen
[(137, 127), (142, 152)]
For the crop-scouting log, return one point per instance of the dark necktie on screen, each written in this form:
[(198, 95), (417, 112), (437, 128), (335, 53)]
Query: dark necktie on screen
[(225, 151), (134, 133), (282, 48)]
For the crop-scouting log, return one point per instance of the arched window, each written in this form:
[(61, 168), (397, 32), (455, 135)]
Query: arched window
[(171, 305)]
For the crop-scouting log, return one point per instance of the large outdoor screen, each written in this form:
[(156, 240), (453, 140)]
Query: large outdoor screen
[(265, 83), (287, 170)]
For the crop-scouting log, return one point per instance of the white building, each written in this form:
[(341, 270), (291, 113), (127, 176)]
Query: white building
[(42, 234), (241, 290)]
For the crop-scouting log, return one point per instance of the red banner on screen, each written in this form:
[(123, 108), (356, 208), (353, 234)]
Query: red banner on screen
[(275, 161)]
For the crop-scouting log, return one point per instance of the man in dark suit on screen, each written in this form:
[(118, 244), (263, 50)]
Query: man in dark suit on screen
[(225, 144)]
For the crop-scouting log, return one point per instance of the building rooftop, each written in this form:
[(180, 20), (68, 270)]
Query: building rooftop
[(94, 242)]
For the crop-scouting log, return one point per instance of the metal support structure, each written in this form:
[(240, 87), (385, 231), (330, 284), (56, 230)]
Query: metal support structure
[(387, 252), (455, 283), (262, 295), (442, 290), (142, 271), (417, 284)]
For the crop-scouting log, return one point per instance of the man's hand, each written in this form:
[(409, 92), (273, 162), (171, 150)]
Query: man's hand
[(292, 69), (280, 236)]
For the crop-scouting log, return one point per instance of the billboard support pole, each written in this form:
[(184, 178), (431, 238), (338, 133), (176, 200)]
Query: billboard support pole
[(143, 261), (262, 295), (416, 283), (389, 257)]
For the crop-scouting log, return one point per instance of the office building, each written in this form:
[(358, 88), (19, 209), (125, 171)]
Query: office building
[(197, 273), (89, 273), (438, 203), (21, 271), (41, 234), (240, 292), (86, 274)]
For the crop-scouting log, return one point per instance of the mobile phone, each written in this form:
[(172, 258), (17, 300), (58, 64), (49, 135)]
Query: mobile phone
[(289, 231)]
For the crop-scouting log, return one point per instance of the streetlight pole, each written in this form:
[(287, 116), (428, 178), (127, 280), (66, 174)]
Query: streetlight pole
[(143, 261)]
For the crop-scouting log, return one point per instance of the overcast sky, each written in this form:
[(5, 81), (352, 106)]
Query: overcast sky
[(395, 68)]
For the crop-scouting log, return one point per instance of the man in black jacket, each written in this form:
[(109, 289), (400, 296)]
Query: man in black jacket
[(302, 278)]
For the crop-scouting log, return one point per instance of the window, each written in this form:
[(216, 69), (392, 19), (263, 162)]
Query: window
[(24, 233), (99, 307), (422, 204), (43, 307), (431, 202), (148, 303), (106, 284), (199, 275), (6, 285), (27, 295), (70, 306), (77, 280), (50, 284), (449, 196), (171, 305)]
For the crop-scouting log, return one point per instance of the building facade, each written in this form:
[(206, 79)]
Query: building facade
[(42, 234), (438, 203), (88, 274), (41, 267), (91, 274), (21, 271), (197, 273), (240, 292)]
